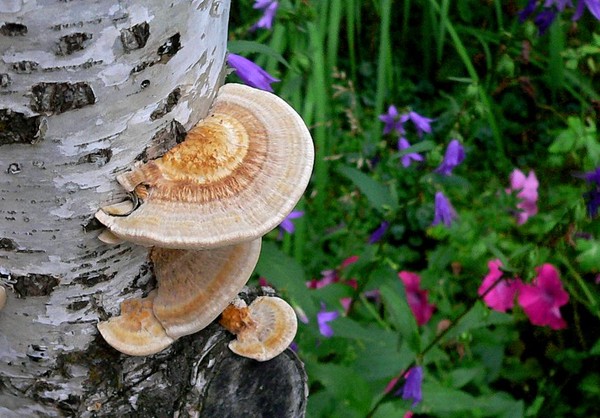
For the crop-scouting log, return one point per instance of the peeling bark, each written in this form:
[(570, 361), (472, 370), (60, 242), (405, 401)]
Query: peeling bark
[(86, 89)]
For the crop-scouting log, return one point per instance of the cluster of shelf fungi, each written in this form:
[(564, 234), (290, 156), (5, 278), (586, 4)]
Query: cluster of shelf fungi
[(204, 207)]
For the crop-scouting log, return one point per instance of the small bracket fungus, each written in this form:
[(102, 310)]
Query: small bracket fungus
[(195, 286), (237, 175), (264, 329), (136, 331), (2, 297)]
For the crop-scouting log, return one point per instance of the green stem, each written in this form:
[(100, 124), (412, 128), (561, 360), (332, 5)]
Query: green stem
[(369, 306), (464, 56), (433, 343), (590, 297)]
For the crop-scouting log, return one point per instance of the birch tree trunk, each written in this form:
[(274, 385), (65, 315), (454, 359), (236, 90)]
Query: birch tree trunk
[(86, 89)]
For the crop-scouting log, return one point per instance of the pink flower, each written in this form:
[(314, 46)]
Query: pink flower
[(542, 299), (350, 260), (416, 298), (502, 296), (331, 276), (527, 188)]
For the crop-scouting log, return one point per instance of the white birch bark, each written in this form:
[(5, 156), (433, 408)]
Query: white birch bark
[(86, 88)]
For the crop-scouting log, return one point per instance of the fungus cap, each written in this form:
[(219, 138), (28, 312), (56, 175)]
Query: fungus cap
[(136, 331), (236, 176), (195, 286), (263, 330)]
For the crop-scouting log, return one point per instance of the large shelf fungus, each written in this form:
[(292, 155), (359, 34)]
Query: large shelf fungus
[(195, 286), (204, 207), (236, 176)]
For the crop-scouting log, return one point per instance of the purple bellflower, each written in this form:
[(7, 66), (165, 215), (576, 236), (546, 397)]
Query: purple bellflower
[(269, 8), (592, 198), (592, 5), (323, 319), (379, 232), (250, 73), (551, 8), (592, 202), (544, 19), (287, 225), (392, 121), (444, 212), (422, 124), (407, 159), (412, 387), (592, 176), (560, 4), (455, 154), (527, 10)]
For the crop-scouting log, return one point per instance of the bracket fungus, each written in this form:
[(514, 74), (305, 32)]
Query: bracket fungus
[(195, 286), (193, 289), (263, 330), (237, 175), (136, 331), (204, 207)]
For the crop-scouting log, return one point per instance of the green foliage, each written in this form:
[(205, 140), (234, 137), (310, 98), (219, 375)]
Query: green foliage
[(514, 99)]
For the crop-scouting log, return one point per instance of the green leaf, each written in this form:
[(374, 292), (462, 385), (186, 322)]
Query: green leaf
[(242, 47), (500, 405), (563, 143), (379, 195), (401, 317), (348, 328), (478, 317), (462, 376), (390, 409), (595, 350), (345, 385), (589, 255), (286, 275), (438, 398)]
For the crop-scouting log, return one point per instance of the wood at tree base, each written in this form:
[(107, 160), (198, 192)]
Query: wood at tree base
[(200, 376)]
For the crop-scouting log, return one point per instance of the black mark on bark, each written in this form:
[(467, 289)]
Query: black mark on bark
[(25, 67), (35, 284), (169, 48), (77, 306), (101, 360), (38, 353), (162, 141), (14, 168), (135, 37), (8, 244), (141, 67), (5, 80), (92, 225), (15, 127), (73, 42), (13, 29), (167, 105), (100, 157), (144, 84), (61, 97), (92, 279)]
